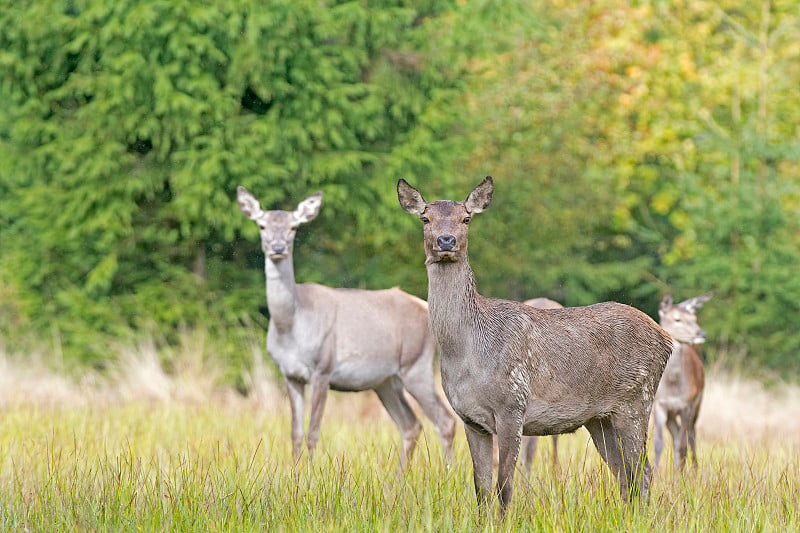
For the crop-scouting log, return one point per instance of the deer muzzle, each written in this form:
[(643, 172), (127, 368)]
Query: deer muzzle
[(277, 251), (446, 243), (701, 337)]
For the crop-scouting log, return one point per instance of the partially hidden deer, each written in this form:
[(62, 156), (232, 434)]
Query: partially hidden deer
[(344, 339), (509, 369), (680, 391)]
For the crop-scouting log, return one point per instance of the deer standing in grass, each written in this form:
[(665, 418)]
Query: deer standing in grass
[(509, 369), (344, 339), (680, 392)]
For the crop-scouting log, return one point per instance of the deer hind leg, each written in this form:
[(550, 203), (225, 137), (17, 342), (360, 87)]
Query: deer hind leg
[(606, 441), (554, 440), (529, 445), (297, 401), (660, 418), (690, 439), (621, 444), (480, 449), (391, 395), (633, 436), (419, 382)]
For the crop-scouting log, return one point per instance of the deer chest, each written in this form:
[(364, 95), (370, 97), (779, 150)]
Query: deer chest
[(297, 357), (478, 394)]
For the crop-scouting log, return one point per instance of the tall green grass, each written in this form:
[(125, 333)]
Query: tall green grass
[(225, 465)]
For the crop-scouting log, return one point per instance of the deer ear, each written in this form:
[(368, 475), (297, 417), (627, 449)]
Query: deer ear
[(481, 196), (693, 304), (410, 198), (248, 203), (666, 302), (308, 209)]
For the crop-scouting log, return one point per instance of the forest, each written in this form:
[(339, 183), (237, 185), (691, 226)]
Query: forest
[(638, 148)]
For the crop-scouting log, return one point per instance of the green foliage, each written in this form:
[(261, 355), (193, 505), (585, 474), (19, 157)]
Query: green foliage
[(637, 149), (647, 149), (722, 144), (130, 124)]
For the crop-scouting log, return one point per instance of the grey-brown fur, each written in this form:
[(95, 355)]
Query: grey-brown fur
[(509, 369), (344, 339), (680, 391), (529, 444)]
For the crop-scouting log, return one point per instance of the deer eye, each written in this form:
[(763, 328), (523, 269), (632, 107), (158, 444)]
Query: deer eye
[(262, 226), (425, 220), (466, 220)]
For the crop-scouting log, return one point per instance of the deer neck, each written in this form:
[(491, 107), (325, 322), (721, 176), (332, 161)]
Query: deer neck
[(675, 361), (452, 305), (281, 292)]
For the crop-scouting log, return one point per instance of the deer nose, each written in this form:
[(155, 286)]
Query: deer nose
[(278, 248), (700, 338), (446, 242)]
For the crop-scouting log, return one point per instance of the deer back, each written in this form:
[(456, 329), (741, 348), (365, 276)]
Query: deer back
[(360, 336), (607, 347), (543, 303)]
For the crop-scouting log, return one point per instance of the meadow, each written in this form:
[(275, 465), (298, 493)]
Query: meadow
[(143, 449)]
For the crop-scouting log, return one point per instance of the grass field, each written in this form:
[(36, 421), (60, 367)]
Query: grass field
[(151, 452)]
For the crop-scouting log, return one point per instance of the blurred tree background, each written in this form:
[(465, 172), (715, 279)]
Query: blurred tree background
[(638, 148)]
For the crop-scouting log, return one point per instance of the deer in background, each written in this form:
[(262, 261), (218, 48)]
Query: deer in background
[(344, 339), (680, 392), (509, 369)]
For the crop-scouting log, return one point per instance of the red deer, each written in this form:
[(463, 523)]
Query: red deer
[(344, 339), (509, 369), (680, 392)]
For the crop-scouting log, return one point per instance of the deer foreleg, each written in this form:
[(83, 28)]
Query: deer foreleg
[(296, 400), (480, 448), (319, 394), (676, 431), (681, 443), (509, 437)]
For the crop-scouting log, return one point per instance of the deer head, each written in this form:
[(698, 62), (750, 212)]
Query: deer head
[(680, 320), (278, 228), (445, 223)]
